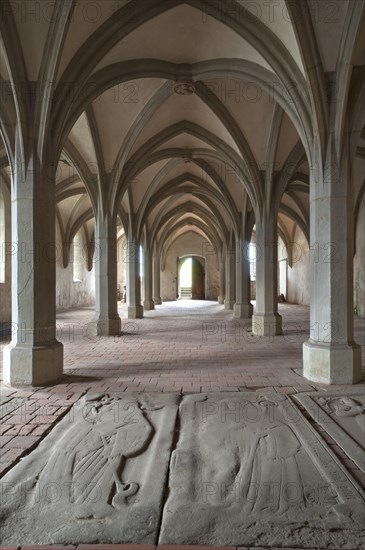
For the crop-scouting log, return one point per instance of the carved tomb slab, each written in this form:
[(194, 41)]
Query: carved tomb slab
[(343, 418), (98, 476), (249, 470)]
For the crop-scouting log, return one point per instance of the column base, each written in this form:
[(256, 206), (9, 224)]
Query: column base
[(266, 324), (158, 301), (111, 326), (27, 365), (228, 304), (221, 300), (332, 363), (148, 305), (242, 311), (135, 312)]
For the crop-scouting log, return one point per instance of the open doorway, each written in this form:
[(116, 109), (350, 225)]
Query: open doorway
[(191, 278)]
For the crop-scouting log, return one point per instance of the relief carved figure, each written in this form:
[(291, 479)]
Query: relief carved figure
[(270, 469), (90, 457), (259, 464), (345, 407), (262, 463), (99, 475)]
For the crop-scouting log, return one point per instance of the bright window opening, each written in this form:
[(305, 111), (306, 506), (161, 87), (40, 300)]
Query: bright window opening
[(253, 258)]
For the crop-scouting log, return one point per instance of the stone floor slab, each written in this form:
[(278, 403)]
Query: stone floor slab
[(342, 415), (249, 469), (98, 477)]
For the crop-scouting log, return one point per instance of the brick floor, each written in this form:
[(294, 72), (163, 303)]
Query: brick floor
[(181, 346), (185, 346)]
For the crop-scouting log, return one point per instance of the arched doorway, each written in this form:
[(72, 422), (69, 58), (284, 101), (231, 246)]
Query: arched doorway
[(191, 278)]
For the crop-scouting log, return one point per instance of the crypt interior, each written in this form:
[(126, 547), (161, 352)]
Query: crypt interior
[(182, 280)]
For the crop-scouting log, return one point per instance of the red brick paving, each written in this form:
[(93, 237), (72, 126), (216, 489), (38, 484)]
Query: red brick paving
[(170, 350)]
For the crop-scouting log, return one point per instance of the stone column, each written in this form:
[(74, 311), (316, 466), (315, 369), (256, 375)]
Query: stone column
[(230, 278), (222, 279), (148, 303), (243, 308), (34, 356), (135, 308), (107, 320), (330, 355), (266, 321), (157, 279)]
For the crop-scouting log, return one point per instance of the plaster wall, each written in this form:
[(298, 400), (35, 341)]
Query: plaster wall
[(190, 244), (70, 293), (282, 269)]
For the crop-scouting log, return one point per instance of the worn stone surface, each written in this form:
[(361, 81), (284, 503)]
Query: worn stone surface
[(343, 417), (98, 477), (237, 469), (249, 468)]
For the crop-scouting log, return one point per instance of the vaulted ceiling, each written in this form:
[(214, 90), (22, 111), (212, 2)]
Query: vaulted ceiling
[(178, 114)]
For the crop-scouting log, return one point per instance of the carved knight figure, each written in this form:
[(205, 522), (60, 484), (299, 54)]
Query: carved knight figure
[(89, 459)]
